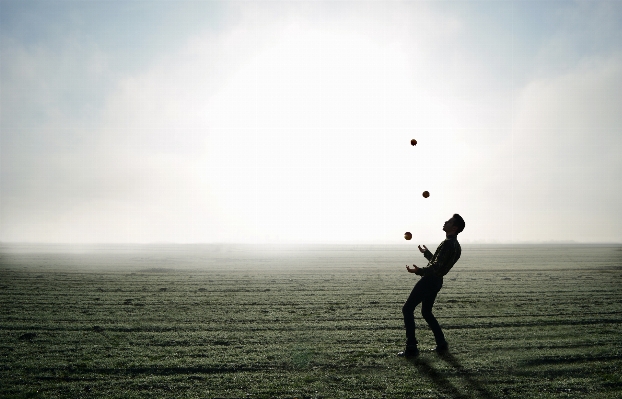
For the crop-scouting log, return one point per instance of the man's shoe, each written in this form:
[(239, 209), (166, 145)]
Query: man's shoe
[(442, 348), (409, 352)]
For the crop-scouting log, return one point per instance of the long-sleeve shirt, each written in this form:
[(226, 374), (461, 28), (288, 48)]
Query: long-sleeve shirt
[(445, 257)]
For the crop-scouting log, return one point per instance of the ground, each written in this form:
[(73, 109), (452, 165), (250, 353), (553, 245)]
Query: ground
[(325, 324)]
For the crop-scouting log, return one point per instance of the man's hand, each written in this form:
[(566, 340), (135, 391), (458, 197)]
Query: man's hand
[(422, 250), (415, 269)]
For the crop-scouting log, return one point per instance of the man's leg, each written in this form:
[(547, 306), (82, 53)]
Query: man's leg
[(408, 310), (426, 312), (417, 295)]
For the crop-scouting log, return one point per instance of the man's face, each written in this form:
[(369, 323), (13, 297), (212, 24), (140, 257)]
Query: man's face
[(448, 227)]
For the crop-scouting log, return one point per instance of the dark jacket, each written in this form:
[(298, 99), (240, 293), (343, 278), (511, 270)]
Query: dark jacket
[(445, 257)]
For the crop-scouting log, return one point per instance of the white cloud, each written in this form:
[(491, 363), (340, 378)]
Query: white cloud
[(567, 139), (266, 130), (294, 125)]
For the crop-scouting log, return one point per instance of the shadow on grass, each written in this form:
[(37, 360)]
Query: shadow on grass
[(441, 382), (475, 388)]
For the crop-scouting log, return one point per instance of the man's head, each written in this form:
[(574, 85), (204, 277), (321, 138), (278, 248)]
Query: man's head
[(454, 226)]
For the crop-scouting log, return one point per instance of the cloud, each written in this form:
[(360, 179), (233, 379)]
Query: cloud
[(293, 123), (567, 140), (88, 155), (237, 134)]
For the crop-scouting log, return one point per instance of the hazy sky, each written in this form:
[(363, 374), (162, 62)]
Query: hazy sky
[(206, 121)]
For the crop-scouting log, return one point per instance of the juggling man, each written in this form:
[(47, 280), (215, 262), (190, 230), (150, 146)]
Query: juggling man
[(426, 289)]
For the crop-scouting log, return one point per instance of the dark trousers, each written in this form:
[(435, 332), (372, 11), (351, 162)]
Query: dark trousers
[(423, 293)]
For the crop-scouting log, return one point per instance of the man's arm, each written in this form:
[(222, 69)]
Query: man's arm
[(441, 265), (428, 255), (416, 269)]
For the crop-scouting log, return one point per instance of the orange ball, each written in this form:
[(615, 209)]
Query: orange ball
[(413, 142), (426, 194), (407, 235)]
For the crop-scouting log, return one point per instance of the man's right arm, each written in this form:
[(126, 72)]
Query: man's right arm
[(442, 263), (424, 250)]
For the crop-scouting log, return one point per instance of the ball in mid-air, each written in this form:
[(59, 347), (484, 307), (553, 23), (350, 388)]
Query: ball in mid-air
[(413, 142), (425, 194), (407, 235)]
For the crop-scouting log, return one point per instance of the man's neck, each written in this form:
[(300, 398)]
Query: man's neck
[(448, 236)]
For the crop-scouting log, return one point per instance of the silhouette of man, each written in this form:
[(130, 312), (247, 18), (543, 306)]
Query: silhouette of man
[(424, 292)]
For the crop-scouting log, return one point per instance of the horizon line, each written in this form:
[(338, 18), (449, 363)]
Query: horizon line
[(470, 242)]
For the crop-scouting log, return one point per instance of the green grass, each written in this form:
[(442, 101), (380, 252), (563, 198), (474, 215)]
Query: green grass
[(234, 329)]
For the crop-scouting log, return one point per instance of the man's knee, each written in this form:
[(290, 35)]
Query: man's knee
[(427, 313), (407, 309)]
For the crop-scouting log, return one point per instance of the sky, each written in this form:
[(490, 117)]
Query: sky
[(290, 122)]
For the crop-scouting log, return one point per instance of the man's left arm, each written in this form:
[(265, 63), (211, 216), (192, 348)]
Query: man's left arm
[(441, 265)]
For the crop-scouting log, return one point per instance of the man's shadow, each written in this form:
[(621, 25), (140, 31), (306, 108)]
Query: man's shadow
[(474, 387)]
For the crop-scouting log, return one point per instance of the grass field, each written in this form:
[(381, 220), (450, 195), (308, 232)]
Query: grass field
[(253, 322)]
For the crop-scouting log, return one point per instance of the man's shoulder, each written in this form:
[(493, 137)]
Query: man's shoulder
[(457, 246), (453, 241)]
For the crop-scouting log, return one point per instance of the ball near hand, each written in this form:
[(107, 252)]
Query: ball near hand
[(425, 194), (407, 235), (413, 142)]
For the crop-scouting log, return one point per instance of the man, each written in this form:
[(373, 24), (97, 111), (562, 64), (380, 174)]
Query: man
[(424, 292)]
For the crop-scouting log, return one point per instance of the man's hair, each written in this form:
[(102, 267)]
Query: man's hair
[(458, 222)]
